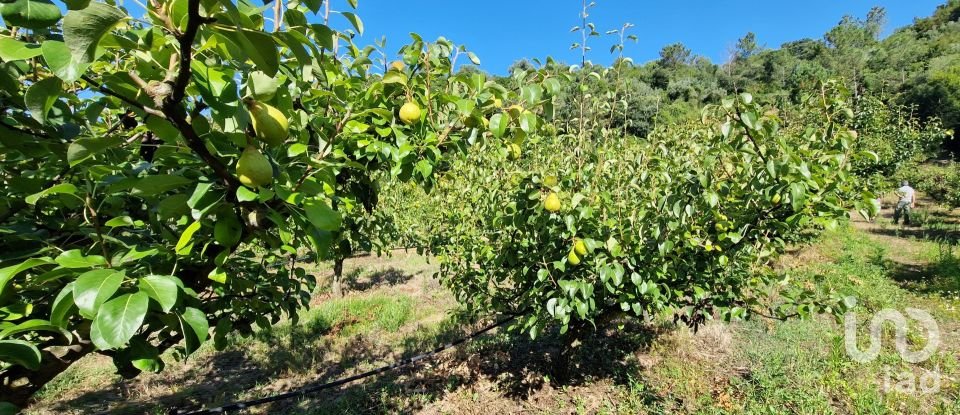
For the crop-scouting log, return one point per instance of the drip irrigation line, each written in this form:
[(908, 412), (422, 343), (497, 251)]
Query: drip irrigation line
[(296, 393)]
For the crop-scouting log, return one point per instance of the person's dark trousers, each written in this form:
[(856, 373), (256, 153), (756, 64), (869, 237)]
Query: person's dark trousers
[(903, 209)]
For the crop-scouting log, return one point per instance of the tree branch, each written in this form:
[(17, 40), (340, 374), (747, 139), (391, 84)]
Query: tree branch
[(23, 131), (103, 89), (194, 20), (196, 144)]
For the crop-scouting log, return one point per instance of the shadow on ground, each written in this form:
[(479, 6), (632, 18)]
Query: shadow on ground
[(518, 366), (939, 277), (357, 281)]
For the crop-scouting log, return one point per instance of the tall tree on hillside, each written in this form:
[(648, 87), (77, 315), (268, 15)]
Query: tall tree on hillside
[(851, 44), (674, 55), (746, 47)]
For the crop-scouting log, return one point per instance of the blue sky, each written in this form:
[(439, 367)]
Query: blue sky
[(503, 31)]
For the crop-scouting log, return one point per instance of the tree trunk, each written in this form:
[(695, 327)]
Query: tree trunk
[(336, 285)]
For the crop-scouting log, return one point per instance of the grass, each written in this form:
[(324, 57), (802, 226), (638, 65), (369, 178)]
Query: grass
[(393, 310)]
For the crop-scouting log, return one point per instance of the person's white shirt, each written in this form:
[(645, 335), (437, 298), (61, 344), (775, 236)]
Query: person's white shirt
[(906, 194)]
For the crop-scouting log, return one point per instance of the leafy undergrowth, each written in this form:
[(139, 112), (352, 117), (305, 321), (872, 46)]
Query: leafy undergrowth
[(396, 310)]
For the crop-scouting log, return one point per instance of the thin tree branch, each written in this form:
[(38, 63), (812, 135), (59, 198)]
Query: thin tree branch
[(24, 131), (96, 226), (102, 88)]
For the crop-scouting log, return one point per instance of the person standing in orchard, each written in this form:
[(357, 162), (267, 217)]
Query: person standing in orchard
[(908, 201)]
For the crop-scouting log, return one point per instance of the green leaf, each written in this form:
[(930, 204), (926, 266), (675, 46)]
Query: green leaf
[(749, 119), (75, 259), (528, 122), (296, 149), (62, 306), (119, 319), (83, 29), (321, 216), (473, 58), (7, 274), (161, 288), (203, 199), (157, 184), (33, 325), (31, 14), (195, 328), (83, 148), (498, 124), (394, 77), (57, 56), (798, 196), (20, 353), (93, 288), (135, 254), (531, 94), (324, 35), (7, 408), (259, 47), (313, 5), (262, 86), (62, 188), (15, 50), (245, 195), (144, 356), (184, 245), (41, 96), (119, 221), (355, 21)]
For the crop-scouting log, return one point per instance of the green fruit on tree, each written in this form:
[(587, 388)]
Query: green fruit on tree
[(573, 259), (397, 66), (552, 202), (269, 123), (776, 198), (253, 168), (549, 130), (550, 181), (228, 230), (410, 113), (580, 248)]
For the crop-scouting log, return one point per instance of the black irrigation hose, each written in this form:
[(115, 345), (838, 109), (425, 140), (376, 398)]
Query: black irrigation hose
[(310, 389)]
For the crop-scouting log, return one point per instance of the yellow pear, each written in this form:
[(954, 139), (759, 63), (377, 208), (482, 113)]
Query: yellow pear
[(580, 248), (550, 181), (410, 113), (269, 123), (552, 203), (397, 66), (573, 259), (253, 168)]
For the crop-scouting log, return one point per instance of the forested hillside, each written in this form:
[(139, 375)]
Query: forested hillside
[(915, 70)]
